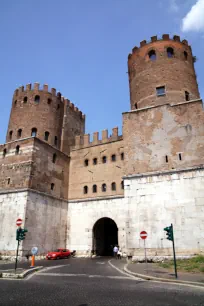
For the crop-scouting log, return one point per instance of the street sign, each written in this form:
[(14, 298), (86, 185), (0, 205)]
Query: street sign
[(34, 251), (143, 235), (19, 222)]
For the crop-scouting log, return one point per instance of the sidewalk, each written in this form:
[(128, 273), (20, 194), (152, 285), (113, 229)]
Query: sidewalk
[(154, 270)]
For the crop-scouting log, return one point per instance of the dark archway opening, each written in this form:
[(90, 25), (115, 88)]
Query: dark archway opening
[(105, 237)]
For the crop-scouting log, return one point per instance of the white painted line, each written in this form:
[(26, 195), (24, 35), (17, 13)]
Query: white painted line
[(86, 275), (53, 267), (122, 272)]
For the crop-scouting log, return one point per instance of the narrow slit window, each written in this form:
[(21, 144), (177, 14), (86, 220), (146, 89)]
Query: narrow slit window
[(46, 137), (122, 156), (95, 161), (122, 185), (185, 55), (86, 162), (8, 181), (104, 159), (166, 158), (180, 157), (10, 135), (37, 99), (52, 186), (85, 189), (113, 158), (113, 186), (104, 188), (49, 101), (17, 150), (187, 96), (56, 141), (4, 152), (19, 133), (94, 188), (34, 132), (135, 105), (54, 158)]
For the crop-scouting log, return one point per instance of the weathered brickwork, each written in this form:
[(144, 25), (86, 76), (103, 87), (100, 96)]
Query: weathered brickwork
[(61, 183), (154, 65)]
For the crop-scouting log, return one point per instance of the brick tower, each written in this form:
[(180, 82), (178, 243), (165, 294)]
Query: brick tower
[(161, 71)]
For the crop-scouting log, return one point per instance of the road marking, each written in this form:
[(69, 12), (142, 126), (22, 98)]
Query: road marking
[(53, 267), (100, 263), (122, 272), (86, 275)]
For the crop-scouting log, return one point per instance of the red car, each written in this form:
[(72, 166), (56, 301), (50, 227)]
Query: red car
[(59, 253)]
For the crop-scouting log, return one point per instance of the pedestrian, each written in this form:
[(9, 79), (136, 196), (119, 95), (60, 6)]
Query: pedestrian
[(115, 251), (119, 254)]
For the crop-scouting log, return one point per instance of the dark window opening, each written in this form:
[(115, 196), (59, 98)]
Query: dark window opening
[(37, 99), (46, 136), (10, 134), (94, 188), (187, 96), (49, 101), (113, 186), (85, 189), (95, 161), (8, 181), (86, 162), (122, 156), (185, 55), (180, 157), (58, 106), (54, 157), (19, 132), (113, 157), (152, 55), (160, 91), (104, 187), (55, 142), (135, 105), (104, 159), (170, 52), (25, 100), (17, 150), (4, 152), (167, 160), (34, 132), (122, 185), (15, 102), (52, 186)]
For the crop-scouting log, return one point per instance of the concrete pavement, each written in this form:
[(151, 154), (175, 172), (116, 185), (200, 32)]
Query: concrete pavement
[(91, 282)]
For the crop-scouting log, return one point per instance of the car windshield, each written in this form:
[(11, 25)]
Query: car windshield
[(57, 250)]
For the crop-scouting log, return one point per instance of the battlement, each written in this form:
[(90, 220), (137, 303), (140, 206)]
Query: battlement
[(165, 38), (84, 141), (36, 87)]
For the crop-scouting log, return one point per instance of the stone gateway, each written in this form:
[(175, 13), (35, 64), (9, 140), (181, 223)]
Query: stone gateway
[(89, 196)]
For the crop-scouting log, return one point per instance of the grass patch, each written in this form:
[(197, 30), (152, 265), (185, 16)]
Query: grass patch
[(195, 264)]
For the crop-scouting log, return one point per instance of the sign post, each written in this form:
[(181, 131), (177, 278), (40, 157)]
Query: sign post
[(34, 252), (170, 236), (18, 223), (143, 235)]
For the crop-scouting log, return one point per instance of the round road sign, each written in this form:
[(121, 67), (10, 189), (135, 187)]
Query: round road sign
[(143, 235), (34, 250), (19, 222)]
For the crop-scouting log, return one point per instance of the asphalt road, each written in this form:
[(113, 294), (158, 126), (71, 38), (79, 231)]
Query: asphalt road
[(93, 282)]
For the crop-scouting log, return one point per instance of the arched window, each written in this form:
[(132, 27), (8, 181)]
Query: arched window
[(56, 141), (122, 185), (49, 101), (19, 133), (52, 186), (104, 159), (4, 152), (34, 132), (122, 156), (187, 96), (103, 188), (113, 186), (86, 162), (135, 105), (10, 135), (113, 158), (170, 52), (37, 99), (25, 100), (46, 137), (95, 161), (54, 158), (185, 55), (17, 150), (85, 189), (94, 188), (152, 55)]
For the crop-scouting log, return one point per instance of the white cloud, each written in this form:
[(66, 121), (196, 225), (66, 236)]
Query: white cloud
[(174, 6), (194, 20)]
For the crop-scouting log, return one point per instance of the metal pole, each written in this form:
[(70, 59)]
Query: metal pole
[(145, 255), (175, 268), (16, 256)]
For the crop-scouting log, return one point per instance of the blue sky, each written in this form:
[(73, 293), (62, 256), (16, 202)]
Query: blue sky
[(80, 47)]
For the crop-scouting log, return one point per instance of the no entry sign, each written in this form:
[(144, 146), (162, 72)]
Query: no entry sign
[(143, 235), (19, 222)]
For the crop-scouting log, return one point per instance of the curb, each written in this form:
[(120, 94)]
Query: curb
[(21, 275), (165, 280)]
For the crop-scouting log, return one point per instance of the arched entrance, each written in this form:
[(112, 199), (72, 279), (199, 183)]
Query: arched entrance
[(105, 236)]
